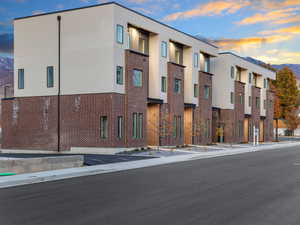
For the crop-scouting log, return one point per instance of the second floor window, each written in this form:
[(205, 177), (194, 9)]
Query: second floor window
[(206, 63), (265, 83), (232, 72), (119, 75), (241, 99), (120, 34), (231, 98), (50, 77), (196, 90), (177, 86), (196, 60), (163, 84), (21, 79), (257, 102), (137, 78), (250, 78), (164, 49), (206, 92), (250, 99)]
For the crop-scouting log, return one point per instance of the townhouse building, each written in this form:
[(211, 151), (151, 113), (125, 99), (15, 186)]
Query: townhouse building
[(107, 76), (242, 100)]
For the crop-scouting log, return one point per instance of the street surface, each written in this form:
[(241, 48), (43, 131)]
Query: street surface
[(259, 188)]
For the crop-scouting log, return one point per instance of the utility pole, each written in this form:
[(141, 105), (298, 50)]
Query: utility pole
[(58, 86)]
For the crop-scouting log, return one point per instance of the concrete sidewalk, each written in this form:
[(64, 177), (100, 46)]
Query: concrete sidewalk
[(115, 167)]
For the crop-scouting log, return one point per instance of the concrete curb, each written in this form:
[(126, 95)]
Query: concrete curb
[(39, 177)]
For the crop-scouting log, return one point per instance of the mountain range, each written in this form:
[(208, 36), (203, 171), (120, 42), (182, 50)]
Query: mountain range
[(7, 64)]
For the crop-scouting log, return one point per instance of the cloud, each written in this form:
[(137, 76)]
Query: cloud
[(210, 9), (293, 19), (276, 56), (6, 43), (269, 16), (292, 30), (143, 10), (240, 44), (274, 4)]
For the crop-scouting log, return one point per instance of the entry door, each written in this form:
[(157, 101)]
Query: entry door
[(246, 130), (261, 130)]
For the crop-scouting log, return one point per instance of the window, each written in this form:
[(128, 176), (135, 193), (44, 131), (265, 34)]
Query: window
[(134, 125), (175, 127), (120, 34), (120, 127), (232, 72), (137, 125), (163, 84), (142, 45), (140, 133), (270, 103), (137, 78), (265, 104), (196, 90), (240, 129), (179, 126), (164, 49), (250, 99), (257, 102), (103, 127), (119, 77), (238, 74), (250, 78), (177, 56), (231, 98), (265, 83), (177, 86), (206, 63), (21, 78), (196, 60), (241, 99), (255, 80), (206, 92), (50, 77), (207, 129)]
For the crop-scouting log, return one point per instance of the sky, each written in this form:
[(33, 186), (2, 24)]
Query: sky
[(267, 30)]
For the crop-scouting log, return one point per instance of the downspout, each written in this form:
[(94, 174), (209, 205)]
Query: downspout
[(58, 93)]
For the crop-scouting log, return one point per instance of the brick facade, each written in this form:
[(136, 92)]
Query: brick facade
[(174, 107), (255, 111), (31, 122), (203, 113), (268, 123), (239, 111)]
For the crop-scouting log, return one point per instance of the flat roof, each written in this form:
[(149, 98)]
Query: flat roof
[(115, 3), (231, 53)]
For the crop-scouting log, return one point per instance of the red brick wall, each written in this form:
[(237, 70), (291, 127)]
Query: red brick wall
[(255, 112), (269, 129), (204, 111), (31, 122), (239, 111), (175, 105), (136, 97)]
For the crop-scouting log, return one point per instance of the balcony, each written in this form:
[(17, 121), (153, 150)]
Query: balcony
[(176, 53), (138, 40)]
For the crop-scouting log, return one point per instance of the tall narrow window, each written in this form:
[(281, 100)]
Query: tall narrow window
[(206, 63), (177, 86), (175, 127), (196, 90), (50, 77), (163, 84), (120, 34), (120, 127), (265, 83), (179, 121), (119, 75), (231, 98), (250, 99), (250, 78), (103, 127), (134, 125), (196, 60), (137, 78), (177, 56), (257, 102), (265, 104), (206, 92), (241, 126), (241, 99), (232, 72), (142, 45), (21, 78), (140, 131), (164, 49)]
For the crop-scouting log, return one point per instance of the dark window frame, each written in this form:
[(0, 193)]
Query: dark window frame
[(21, 78)]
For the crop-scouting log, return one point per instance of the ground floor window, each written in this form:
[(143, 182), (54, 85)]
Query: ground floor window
[(120, 127), (137, 125), (103, 127), (177, 126), (207, 129)]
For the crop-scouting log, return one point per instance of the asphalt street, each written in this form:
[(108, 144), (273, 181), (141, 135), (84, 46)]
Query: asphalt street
[(259, 188)]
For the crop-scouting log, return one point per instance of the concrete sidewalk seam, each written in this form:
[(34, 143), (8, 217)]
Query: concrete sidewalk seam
[(39, 177)]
